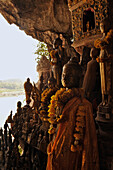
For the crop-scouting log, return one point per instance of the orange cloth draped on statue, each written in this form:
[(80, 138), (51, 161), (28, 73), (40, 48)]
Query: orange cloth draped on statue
[(60, 156)]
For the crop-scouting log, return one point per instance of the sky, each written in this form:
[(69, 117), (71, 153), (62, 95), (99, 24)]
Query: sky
[(17, 58)]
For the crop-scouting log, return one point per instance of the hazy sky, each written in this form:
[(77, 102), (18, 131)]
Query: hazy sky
[(17, 58)]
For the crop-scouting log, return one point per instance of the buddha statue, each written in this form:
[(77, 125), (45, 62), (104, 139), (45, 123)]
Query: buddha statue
[(36, 97), (58, 58), (74, 142), (43, 136), (68, 80), (106, 60), (41, 84), (28, 90), (92, 82), (56, 66), (46, 96), (51, 81), (19, 108)]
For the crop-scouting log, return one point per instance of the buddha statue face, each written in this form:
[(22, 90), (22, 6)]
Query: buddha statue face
[(51, 81), (19, 104), (105, 25), (28, 80), (102, 28), (94, 53), (51, 84), (70, 77), (57, 43)]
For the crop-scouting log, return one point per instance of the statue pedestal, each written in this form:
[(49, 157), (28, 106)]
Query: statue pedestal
[(105, 136)]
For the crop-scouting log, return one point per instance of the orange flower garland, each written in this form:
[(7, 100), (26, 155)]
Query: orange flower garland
[(104, 42), (79, 129), (59, 100), (53, 56), (45, 99)]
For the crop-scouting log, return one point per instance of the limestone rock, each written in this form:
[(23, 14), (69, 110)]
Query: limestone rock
[(42, 19)]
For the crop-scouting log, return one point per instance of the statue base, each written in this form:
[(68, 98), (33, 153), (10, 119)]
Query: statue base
[(104, 120)]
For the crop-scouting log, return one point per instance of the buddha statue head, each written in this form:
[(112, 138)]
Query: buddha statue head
[(57, 42), (28, 80), (71, 74), (19, 104), (94, 53), (105, 25)]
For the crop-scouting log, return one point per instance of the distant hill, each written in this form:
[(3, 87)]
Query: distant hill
[(11, 80), (11, 84)]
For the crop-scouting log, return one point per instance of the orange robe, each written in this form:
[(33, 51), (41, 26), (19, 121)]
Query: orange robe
[(60, 156)]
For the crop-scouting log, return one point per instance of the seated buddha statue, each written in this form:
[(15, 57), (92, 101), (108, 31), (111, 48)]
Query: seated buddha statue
[(74, 142)]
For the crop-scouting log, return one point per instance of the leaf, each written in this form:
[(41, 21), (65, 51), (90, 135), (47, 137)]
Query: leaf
[(42, 50)]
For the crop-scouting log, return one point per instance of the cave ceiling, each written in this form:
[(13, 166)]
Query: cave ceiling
[(41, 19)]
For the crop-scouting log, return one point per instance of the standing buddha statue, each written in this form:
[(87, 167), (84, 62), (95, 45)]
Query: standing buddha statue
[(106, 60)]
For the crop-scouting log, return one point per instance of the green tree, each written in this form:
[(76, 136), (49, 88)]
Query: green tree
[(42, 50)]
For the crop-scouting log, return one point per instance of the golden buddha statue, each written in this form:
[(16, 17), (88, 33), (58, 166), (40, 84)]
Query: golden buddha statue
[(74, 142), (106, 60)]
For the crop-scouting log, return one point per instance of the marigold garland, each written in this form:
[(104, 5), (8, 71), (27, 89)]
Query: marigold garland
[(79, 129), (45, 99), (53, 54), (59, 100), (103, 43)]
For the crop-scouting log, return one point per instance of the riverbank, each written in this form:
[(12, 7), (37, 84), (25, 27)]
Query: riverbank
[(11, 93), (11, 87)]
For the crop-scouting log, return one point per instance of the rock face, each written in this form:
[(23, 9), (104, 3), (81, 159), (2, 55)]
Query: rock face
[(42, 19), (44, 67)]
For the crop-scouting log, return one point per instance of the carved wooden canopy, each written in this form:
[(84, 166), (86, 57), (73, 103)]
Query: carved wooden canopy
[(86, 17)]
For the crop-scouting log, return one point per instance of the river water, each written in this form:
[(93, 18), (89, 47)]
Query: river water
[(7, 104)]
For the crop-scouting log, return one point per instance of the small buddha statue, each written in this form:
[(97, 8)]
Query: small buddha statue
[(69, 148), (41, 84), (5, 134), (46, 95), (51, 81), (19, 108), (36, 98), (9, 119), (39, 140), (56, 66), (28, 90), (87, 25)]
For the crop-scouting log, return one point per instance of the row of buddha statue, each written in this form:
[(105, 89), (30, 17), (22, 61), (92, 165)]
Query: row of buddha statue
[(56, 127)]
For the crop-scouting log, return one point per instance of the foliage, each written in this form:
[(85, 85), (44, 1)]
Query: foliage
[(20, 150), (41, 51)]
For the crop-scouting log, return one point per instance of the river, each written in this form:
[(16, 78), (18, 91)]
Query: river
[(7, 104)]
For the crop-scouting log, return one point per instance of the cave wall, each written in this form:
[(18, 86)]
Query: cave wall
[(41, 19)]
